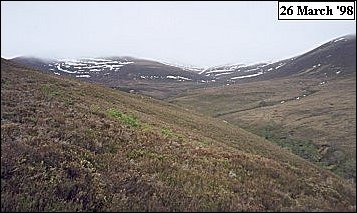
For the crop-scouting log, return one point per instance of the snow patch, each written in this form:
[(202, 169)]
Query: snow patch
[(340, 39), (258, 68), (83, 76), (111, 67), (67, 71), (218, 71), (316, 66), (178, 77), (226, 73), (247, 76), (280, 65), (94, 70), (126, 62), (202, 72)]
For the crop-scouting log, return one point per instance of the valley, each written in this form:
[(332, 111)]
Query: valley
[(177, 106), (305, 103), (128, 134), (288, 111)]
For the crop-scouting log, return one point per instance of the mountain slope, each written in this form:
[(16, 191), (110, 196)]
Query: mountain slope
[(325, 61), (108, 69), (70, 145), (308, 105), (333, 59)]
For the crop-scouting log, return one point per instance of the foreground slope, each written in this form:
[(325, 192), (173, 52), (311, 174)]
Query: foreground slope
[(70, 145)]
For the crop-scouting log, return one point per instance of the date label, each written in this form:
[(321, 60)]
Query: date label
[(316, 10)]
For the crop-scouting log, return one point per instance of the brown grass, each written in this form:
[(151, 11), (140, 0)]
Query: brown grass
[(63, 150)]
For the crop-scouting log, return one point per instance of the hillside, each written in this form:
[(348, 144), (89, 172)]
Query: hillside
[(68, 145), (325, 61), (307, 106), (333, 59)]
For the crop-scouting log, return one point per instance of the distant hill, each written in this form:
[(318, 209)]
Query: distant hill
[(108, 70), (147, 77), (325, 61), (333, 59), (162, 80)]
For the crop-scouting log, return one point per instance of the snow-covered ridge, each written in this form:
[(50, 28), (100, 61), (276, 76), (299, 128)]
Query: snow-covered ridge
[(81, 67), (239, 71), (340, 39), (185, 67), (222, 69), (92, 67), (96, 67)]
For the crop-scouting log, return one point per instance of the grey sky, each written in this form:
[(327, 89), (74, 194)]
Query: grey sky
[(196, 33)]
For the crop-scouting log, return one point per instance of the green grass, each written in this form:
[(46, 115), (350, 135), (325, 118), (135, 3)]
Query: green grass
[(346, 166), (135, 154), (50, 90), (305, 148), (169, 133), (126, 119), (300, 147)]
